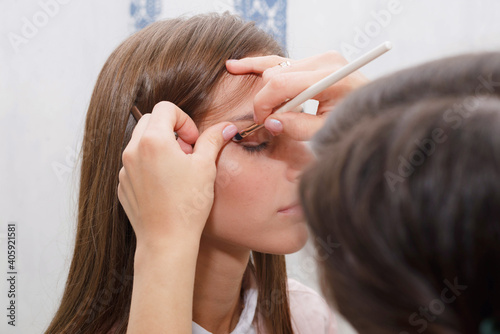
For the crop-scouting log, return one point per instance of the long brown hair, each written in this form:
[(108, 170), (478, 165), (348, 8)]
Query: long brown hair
[(181, 61), (408, 183)]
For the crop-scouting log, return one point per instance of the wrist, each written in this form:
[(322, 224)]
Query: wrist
[(185, 246)]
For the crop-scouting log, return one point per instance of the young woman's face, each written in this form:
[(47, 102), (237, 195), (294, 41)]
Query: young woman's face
[(256, 203)]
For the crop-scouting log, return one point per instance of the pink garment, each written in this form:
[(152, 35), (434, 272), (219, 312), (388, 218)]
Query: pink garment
[(310, 312)]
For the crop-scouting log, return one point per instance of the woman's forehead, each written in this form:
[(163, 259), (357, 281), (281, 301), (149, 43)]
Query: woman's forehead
[(233, 99)]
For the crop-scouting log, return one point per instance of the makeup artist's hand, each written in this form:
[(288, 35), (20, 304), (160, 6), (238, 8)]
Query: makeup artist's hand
[(285, 82), (166, 192)]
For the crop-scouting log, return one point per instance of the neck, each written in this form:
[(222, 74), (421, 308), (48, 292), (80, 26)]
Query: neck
[(217, 288)]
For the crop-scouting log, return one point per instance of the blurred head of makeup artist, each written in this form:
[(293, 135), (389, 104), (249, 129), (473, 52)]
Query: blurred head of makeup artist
[(407, 181), (189, 234)]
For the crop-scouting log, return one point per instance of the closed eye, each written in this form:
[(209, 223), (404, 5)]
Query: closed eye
[(258, 141), (255, 148)]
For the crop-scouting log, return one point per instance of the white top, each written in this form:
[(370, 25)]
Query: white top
[(309, 311)]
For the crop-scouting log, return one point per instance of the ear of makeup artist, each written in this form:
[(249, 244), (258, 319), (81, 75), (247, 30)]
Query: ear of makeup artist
[(166, 186)]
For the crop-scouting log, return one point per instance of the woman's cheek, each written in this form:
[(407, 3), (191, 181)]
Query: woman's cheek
[(235, 178), (228, 172), (236, 202), (242, 184)]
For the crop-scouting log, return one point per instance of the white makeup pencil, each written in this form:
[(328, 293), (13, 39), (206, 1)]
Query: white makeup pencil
[(321, 85)]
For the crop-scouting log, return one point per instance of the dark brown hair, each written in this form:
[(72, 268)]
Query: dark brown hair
[(408, 182), (181, 61)]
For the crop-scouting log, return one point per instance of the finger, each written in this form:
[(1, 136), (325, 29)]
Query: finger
[(309, 64), (185, 147), (166, 118), (139, 130), (280, 88), (298, 126), (328, 61), (213, 138), (253, 64), (126, 195), (126, 185), (122, 197)]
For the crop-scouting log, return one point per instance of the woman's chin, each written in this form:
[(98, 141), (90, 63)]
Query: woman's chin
[(287, 243)]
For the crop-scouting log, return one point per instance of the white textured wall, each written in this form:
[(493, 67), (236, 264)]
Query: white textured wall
[(46, 82)]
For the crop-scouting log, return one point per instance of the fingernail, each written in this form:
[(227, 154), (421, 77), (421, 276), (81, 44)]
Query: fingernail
[(231, 60), (274, 126), (229, 131)]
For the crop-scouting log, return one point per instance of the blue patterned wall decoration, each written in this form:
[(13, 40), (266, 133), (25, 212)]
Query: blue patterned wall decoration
[(270, 15), (144, 12)]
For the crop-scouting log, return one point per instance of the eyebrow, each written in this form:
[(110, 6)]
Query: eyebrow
[(249, 117), (246, 117)]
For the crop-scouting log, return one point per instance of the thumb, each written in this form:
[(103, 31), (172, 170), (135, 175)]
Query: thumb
[(298, 126), (213, 138)]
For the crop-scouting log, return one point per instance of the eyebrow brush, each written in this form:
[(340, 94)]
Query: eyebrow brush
[(321, 85)]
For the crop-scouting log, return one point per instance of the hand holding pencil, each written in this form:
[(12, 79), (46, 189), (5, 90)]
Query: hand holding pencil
[(326, 78)]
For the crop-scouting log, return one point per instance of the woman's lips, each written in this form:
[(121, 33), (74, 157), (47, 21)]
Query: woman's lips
[(294, 208)]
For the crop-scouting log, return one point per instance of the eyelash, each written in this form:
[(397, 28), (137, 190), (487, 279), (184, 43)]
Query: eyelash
[(256, 148)]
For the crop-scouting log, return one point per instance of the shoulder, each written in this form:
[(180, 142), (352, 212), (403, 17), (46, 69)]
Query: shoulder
[(310, 312)]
